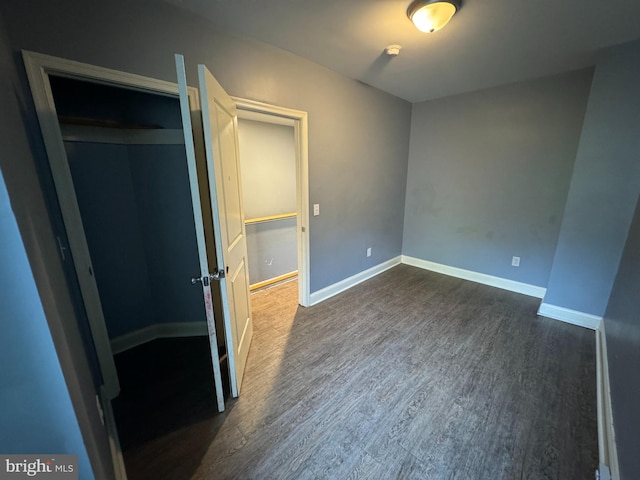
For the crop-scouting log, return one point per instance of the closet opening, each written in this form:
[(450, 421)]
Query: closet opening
[(126, 158)]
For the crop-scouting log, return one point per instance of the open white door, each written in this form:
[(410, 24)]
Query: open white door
[(220, 124), (205, 278), (223, 166)]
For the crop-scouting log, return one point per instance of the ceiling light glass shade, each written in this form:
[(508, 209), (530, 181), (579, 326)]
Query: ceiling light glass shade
[(431, 15)]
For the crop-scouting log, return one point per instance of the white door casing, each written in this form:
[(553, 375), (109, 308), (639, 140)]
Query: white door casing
[(39, 68), (298, 119)]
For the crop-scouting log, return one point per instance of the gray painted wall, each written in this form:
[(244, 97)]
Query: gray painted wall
[(36, 414), (604, 187), (358, 136), (489, 173), (622, 327)]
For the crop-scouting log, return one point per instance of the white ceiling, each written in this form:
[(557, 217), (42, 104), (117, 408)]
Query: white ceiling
[(487, 43)]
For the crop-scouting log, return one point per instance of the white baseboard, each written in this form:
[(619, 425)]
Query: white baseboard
[(608, 452), (503, 283), (341, 286), (158, 330), (569, 316)]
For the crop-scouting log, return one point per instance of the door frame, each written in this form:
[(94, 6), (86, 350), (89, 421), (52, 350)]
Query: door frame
[(298, 119), (38, 68)]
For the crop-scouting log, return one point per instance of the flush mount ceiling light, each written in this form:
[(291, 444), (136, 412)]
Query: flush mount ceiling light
[(431, 15)]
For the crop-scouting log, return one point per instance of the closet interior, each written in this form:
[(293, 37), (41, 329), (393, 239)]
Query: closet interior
[(125, 151)]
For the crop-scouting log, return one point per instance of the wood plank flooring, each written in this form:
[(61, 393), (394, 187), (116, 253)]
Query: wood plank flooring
[(410, 375)]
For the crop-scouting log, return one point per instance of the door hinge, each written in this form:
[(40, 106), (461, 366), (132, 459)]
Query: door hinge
[(205, 280), (62, 249)]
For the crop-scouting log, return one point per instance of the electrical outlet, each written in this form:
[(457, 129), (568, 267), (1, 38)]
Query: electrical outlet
[(316, 209), (369, 252), (515, 261)]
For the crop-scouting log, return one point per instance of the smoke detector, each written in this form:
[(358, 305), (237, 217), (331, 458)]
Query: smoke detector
[(393, 50)]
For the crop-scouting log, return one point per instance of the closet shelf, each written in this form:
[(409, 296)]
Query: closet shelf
[(119, 134), (94, 122)]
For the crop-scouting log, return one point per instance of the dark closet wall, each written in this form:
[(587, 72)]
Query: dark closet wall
[(104, 188), (163, 200), (136, 211), (135, 203)]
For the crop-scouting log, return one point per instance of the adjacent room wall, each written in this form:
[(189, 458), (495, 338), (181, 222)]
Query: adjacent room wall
[(622, 327), (489, 173), (268, 165), (604, 187), (358, 136), (272, 249)]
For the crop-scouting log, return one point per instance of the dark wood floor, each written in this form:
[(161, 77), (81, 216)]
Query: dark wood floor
[(409, 375), (166, 406)]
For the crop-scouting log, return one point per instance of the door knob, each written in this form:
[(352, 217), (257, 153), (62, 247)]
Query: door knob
[(218, 275)]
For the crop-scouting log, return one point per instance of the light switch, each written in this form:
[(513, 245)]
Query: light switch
[(316, 209)]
